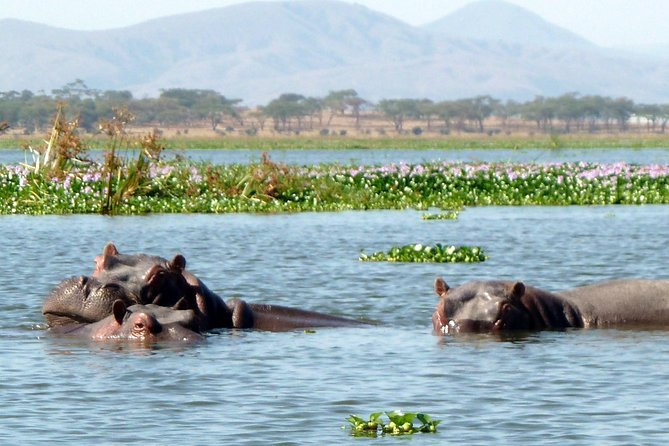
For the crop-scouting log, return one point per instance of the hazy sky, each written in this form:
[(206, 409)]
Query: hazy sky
[(604, 22)]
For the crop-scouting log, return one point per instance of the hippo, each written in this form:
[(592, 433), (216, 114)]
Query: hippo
[(149, 279), (85, 300), (496, 306), (143, 279), (137, 323)]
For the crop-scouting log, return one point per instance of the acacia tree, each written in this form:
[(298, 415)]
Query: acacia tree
[(201, 104), (541, 111), (397, 110), (479, 109), (355, 104), (568, 109), (652, 114), (621, 109), (214, 107), (664, 117), (284, 108), (427, 110), (506, 111), (337, 102), (74, 90), (447, 112), (313, 107)]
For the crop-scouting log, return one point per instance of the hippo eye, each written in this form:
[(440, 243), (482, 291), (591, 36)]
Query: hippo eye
[(139, 325)]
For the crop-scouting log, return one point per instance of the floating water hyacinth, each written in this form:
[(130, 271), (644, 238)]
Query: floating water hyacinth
[(187, 186), (427, 254), (450, 215), (399, 423)]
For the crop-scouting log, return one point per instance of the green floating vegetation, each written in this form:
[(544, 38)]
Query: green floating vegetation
[(151, 185), (449, 215), (134, 179), (427, 254), (398, 424)]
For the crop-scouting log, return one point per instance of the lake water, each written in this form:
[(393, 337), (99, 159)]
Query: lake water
[(606, 387), (383, 156)]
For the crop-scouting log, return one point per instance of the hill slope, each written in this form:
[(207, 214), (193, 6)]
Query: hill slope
[(495, 20), (256, 51)]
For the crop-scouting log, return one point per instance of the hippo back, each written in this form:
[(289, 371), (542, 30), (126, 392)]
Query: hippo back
[(629, 302)]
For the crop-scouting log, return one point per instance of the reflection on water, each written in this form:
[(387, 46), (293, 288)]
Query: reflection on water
[(242, 387)]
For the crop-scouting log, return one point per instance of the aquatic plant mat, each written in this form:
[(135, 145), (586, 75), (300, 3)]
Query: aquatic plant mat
[(267, 186), (419, 253)]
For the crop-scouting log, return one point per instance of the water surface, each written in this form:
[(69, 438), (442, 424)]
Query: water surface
[(244, 387), (387, 156)]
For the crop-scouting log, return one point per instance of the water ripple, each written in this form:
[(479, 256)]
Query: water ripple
[(239, 387)]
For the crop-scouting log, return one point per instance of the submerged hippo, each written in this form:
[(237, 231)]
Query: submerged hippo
[(138, 323), (83, 300), (88, 299), (143, 279), (495, 306)]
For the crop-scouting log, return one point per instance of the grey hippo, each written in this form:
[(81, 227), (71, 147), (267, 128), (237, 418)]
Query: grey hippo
[(496, 306), (136, 324), (146, 279)]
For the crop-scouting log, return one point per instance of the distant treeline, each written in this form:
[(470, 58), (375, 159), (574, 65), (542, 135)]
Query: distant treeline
[(185, 108)]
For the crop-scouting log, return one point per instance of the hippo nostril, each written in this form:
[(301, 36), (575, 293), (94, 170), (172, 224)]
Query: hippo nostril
[(83, 280)]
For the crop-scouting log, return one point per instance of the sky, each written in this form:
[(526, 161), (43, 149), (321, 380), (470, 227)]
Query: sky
[(609, 23)]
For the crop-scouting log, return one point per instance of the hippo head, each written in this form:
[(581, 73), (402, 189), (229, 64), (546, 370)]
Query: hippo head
[(480, 306), (83, 300), (132, 279), (149, 279), (146, 323)]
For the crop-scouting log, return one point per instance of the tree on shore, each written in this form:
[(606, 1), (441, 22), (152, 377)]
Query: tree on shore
[(284, 109), (33, 111), (397, 110)]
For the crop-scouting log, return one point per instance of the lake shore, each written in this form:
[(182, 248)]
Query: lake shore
[(173, 139)]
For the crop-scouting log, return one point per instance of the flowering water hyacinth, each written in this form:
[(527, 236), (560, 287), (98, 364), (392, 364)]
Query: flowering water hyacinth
[(422, 254), (266, 186)]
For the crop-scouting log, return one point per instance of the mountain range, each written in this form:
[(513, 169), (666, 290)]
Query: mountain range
[(258, 50)]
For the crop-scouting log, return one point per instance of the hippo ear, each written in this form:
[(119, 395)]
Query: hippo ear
[(178, 263), (119, 309), (517, 291), (440, 287), (109, 250), (104, 261)]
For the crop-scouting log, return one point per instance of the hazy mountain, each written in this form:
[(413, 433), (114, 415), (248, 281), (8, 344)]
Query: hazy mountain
[(495, 20), (658, 51), (256, 51)]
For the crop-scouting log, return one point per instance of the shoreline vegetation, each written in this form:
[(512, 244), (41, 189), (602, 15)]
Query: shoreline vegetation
[(203, 119), (62, 180), (150, 186), (206, 140)]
